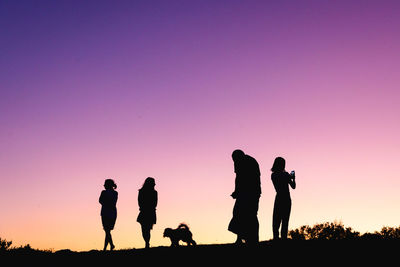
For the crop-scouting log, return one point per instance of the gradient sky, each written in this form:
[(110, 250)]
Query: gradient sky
[(91, 90)]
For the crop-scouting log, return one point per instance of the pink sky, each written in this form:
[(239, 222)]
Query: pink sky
[(130, 90)]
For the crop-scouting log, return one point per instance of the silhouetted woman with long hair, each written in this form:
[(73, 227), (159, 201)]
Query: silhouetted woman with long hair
[(283, 203), (147, 200), (108, 200)]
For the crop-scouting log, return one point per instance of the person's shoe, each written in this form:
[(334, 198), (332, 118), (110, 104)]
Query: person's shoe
[(238, 242)]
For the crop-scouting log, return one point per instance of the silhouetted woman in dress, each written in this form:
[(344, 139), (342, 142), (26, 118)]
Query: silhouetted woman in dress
[(244, 222), (108, 200), (283, 203), (147, 200)]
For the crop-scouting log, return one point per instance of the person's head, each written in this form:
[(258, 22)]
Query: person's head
[(237, 155), (110, 184), (279, 165), (149, 183)]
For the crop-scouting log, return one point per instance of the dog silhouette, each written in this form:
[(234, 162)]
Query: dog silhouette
[(181, 233)]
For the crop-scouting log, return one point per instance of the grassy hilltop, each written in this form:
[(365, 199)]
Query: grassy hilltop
[(322, 244), (314, 252)]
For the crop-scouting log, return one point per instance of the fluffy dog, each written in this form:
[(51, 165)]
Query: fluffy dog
[(181, 233)]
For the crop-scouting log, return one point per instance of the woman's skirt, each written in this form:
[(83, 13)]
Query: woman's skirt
[(108, 222), (244, 221), (147, 218)]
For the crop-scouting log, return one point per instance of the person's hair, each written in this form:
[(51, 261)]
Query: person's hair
[(110, 184), (148, 183), (279, 165), (237, 154)]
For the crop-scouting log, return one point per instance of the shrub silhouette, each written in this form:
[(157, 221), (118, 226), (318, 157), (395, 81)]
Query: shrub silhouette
[(337, 231), (324, 231), (4, 244), (390, 233)]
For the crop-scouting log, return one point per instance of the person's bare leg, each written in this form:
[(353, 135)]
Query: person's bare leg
[(106, 240), (146, 235)]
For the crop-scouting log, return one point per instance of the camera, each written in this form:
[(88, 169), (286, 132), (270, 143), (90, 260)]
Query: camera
[(292, 173)]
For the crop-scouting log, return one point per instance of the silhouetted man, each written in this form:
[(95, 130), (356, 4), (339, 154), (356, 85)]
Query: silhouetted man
[(247, 192)]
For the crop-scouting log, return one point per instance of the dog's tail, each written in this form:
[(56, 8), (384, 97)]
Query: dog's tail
[(184, 226)]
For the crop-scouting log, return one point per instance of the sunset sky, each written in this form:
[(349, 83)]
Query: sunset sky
[(91, 90)]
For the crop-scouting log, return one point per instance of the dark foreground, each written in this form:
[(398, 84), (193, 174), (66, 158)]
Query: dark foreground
[(266, 253)]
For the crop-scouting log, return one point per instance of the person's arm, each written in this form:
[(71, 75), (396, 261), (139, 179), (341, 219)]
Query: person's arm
[(292, 181), (234, 194), (101, 198), (140, 199), (259, 185), (156, 199), (274, 182), (116, 197), (258, 181)]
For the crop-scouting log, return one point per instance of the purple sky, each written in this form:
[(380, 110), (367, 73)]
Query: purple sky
[(128, 89)]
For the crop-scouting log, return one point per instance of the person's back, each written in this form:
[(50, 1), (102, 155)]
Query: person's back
[(248, 177), (253, 173), (108, 201), (147, 199)]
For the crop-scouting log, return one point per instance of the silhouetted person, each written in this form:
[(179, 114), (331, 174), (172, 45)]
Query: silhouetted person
[(282, 206), (247, 192), (147, 200), (108, 200)]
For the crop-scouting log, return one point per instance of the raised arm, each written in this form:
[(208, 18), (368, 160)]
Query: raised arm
[(292, 181)]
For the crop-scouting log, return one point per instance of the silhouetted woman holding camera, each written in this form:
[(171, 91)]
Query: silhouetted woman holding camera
[(147, 200), (108, 200), (283, 203)]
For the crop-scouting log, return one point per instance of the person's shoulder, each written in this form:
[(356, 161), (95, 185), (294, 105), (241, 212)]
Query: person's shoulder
[(285, 176), (251, 159), (279, 175)]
